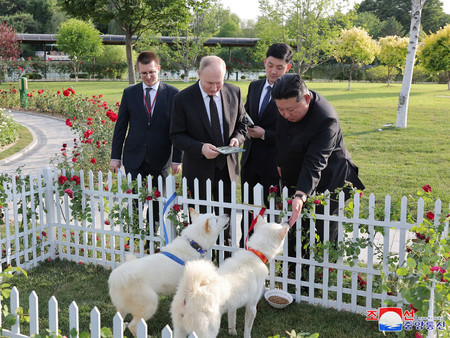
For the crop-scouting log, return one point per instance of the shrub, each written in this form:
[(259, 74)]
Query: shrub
[(9, 129), (243, 77), (377, 74)]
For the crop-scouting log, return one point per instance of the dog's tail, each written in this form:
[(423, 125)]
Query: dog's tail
[(195, 302)]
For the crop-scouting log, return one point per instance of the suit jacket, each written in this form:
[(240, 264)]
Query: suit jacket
[(311, 152), (262, 153), (190, 129), (143, 137)]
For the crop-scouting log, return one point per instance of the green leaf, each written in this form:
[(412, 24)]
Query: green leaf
[(402, 271), (411, 263)]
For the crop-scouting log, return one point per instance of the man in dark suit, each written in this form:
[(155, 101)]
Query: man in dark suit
[(259, 161), (206, 115), (143, 125), (311, 152)]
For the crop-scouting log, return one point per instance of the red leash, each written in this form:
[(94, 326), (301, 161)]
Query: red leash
[(263, 210)]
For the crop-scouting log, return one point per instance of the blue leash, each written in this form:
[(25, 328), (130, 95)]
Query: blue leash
[(173, 257), (169, 201)]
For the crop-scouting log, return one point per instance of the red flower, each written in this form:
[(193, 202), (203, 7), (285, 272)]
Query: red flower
[(74, 159), (107, 222), (317, 202), (62, 179), (69, 123), (66, 92), (93, 160), (176, 207), (430, 215), (157, 193), (75, 179), (44, 234), (273, 189), (426, 188), (289, 202), (149, 198), (69, 192), (128, 191)]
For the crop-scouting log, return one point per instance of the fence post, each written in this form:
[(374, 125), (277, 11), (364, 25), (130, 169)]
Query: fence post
[(73, 319), (53, 316), (95, 323), (33, 302), (118, 326), (142, 329), (14, 299), (50, 206)]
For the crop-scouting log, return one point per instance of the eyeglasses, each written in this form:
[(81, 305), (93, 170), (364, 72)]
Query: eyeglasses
[(145, 74)]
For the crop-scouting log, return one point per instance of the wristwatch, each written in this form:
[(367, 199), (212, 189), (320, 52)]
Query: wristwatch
[(302, 196)]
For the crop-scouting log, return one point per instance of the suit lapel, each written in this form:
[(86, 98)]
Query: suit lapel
[(140, 100), (226, 113), (258, 89), (201, 109)]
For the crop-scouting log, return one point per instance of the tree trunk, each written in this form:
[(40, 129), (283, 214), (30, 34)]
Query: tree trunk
[(402, 108), (350, 76), (448, 80), (130, 61)]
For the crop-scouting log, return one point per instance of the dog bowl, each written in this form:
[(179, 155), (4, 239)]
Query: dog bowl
[(278, 298)]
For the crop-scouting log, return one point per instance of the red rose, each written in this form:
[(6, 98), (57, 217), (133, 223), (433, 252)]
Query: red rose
[(430, 215), (93, 160), (69, 123), (74, 159), (75, 179), (157, 193), (66, 92), (317, 202), (62, 179), (149, 198), (426, 188), (69, 192), (128, 191), (176, 207)]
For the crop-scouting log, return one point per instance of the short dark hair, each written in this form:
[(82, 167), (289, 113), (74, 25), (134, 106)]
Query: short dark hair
[(289, 85), (280, 51), (146, 57)]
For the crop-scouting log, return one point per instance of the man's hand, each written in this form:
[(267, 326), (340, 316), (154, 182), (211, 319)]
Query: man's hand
[(209, 151), (234, 142), (297, 205), (176, 168), (255, 132), (115, 165)]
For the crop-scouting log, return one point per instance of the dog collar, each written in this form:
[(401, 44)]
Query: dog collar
[(173, 257), (196, 247), (259, 254)]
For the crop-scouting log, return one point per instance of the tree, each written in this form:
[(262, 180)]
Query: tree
[(434, 53), (309, 26), (391, 27), (80, 40), (370, 22), (402, 107), (190, 37), (133, 16), (356, 47), (392, 54), (9, 46)]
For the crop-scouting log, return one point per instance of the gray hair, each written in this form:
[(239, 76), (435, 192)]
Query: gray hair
[(211, 60)]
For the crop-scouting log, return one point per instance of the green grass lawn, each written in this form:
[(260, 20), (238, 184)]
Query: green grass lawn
[(87, 286), (391, 161)]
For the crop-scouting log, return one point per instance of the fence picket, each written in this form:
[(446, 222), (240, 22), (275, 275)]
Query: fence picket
[(14, 298), (33, 302), (95, 323), (53, 316), (118, 326), (74, 319), (141, 329)]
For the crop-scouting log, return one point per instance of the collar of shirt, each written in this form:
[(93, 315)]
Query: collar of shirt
[(155, 86)]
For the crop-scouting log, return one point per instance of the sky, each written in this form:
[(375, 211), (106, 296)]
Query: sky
[(249, 9)]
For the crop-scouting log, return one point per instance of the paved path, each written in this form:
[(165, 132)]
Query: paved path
[(49, 134)]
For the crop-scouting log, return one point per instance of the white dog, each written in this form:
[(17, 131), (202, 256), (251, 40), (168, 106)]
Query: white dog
[(135, 286), (206, 292)]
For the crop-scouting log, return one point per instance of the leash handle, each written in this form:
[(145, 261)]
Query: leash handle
[(166, 205), (252, 225)]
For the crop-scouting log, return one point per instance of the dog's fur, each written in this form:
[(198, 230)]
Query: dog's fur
[(135, 285), (206, 292)]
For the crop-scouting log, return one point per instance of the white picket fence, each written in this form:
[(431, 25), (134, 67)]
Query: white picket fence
[(39, 226)]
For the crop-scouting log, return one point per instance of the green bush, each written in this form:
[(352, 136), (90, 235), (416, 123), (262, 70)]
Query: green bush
[(33, 76), (9, 129), (377, 74)]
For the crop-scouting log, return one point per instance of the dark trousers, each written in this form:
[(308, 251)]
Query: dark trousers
[(250, 176), (219, 175), (145, 170)]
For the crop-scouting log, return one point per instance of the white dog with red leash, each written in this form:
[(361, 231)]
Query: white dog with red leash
[(135, 286), (206, 292)]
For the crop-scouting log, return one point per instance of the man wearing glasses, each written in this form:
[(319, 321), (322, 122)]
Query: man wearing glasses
[(141, 135)]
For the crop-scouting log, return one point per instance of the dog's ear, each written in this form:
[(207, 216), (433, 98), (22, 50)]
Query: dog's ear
[(207, 227), (193, 214), (260, 221), (282, 232)]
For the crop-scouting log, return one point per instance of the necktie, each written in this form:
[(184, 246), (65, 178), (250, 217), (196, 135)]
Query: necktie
[(148, 101), (221, 161), (265, 100)]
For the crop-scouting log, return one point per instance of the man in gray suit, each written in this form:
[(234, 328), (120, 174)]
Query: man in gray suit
[(206, 115)]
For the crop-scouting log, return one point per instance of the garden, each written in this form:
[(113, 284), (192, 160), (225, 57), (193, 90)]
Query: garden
[(398, 162)]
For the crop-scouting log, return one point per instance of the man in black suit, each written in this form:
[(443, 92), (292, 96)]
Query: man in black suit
[(311, 153), (206, 115), (259, 161), (143, 125)]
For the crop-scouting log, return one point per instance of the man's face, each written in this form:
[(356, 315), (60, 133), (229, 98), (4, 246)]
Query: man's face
[(211, 78), (149, 72), (292, 110), (275, 68)]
